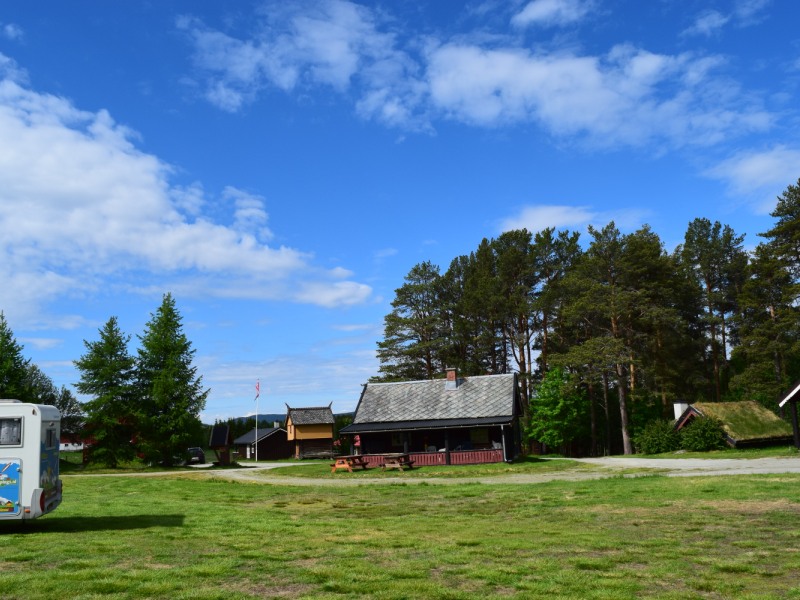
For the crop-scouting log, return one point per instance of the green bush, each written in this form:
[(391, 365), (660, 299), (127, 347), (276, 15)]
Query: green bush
[(657, 437), (703, 434)]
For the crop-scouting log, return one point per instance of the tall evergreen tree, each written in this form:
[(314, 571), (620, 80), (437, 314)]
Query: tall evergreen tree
[(44, 391), (106, 376), (554, 256), (413, 345), (480, 306), (714, 254), (13, 366), (170, 393), (515, 285), (785, 234), (769, 330)]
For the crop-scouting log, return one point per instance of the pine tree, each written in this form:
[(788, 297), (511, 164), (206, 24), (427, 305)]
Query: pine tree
[(714, 254), (13, 367), (413, 342), (106, 376), (554, 256), (769, 335), (169, 391), (785, 235), (44, 391)]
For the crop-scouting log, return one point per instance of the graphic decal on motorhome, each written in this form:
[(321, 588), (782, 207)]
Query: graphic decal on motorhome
[(48, 479), (9, 486)]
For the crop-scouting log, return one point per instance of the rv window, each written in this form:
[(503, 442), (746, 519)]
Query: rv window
[(11, 432), (52, 440)]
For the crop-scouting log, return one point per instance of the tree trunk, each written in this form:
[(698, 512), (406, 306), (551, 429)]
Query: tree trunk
[(606, 409), (593, 420), (627, 447)]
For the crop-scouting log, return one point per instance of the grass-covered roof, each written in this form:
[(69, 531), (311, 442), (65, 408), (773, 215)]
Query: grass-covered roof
[(745, 421)]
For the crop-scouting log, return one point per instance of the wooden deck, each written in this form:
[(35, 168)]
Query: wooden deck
[(457, 457)]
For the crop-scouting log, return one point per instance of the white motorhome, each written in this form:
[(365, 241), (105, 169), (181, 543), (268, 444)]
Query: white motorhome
[(29, 451)]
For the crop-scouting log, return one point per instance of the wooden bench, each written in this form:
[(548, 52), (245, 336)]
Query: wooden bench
[(348, 462), (397, 462)]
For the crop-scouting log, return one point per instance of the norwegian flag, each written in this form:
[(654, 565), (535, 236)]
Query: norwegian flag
[(258, 388)]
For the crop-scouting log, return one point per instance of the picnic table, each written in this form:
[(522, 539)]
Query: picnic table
[(397, 461), (348, 462)]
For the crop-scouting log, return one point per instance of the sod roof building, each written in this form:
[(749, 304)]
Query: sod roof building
[(745, 424)]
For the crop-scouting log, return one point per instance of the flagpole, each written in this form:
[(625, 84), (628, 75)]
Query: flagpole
[(258, 393)]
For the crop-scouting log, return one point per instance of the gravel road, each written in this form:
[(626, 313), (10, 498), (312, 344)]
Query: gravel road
[(606, 467)]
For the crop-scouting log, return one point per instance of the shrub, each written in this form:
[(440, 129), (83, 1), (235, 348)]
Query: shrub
[(657, 437), (703, 434)]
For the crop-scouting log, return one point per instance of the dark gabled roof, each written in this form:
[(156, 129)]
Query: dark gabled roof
[(431, 424), (250, 436), (411, 403), (320, 415)]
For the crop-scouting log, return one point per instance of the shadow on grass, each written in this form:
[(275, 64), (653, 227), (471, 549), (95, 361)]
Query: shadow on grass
[(78, 524)]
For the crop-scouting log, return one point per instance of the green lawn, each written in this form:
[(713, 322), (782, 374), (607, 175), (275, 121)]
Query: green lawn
[(198, 536), (322, 470)]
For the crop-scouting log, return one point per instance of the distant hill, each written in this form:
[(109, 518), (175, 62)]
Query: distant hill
[(264, 418), (270, 418)]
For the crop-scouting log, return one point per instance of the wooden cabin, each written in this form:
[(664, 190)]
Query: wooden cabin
[(310, 430), (265, 443), (456, 420), (746, 424)]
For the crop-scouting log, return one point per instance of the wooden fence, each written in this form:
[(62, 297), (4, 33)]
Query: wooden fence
[(457, 457)]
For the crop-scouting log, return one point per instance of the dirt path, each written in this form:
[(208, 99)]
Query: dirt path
[(604, 467), (690, 467)]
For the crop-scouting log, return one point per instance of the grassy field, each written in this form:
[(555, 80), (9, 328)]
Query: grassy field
[(194, 535), (322, 470)]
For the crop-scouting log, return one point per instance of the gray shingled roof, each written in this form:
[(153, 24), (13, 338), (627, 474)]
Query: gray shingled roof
[(320, 415), (248, 437), (474, 398)]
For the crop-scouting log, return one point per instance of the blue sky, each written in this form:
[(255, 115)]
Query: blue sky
[(279, 167)]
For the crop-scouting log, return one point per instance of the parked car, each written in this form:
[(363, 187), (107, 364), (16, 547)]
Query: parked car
[(196, 456)]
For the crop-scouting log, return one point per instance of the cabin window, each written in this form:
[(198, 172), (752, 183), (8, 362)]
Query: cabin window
[(51, 440), (11, 432)]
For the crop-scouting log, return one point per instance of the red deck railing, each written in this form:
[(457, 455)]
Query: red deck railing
[(457, 457)]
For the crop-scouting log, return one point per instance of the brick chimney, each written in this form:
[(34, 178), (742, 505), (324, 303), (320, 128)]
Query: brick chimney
[(451, 383)]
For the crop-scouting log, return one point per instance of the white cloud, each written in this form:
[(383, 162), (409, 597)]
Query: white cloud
[(760, 175), (749, 12), (551, 12), (625, 96), (10, 31), (250, 215), (353, 327), (83, 209), (629, 96), (331, 294), (708, 23), (41, 343), (326, 43), (542, 216), (745, 13), (385, 253), (539, 217)]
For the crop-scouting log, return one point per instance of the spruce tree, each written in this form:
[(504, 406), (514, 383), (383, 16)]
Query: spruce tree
[(106, 376), (13, 367), (44, 391), (169, 391)]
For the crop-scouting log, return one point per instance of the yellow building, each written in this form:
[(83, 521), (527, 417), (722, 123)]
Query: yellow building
[(311, 431)]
